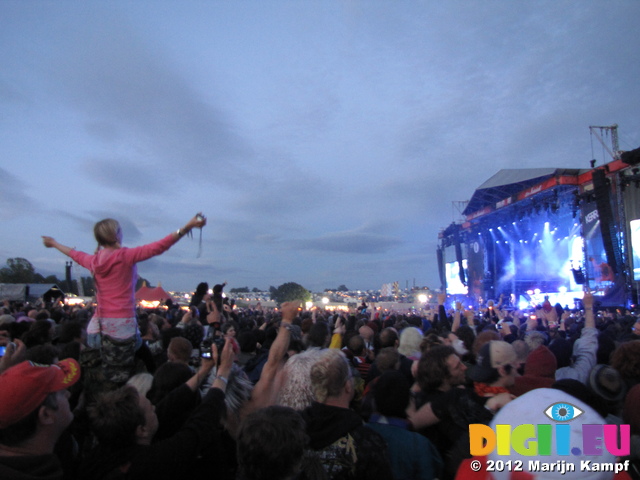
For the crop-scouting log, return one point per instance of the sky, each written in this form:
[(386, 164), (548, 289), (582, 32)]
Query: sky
[(327, 142)]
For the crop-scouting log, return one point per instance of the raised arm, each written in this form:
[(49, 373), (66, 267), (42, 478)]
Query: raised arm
[(51, 242), (145, 252), (266, 388), (198, 221), (589, 317), (456, 317), (338, 332)]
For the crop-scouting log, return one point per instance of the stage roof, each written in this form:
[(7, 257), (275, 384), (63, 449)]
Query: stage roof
[(510, 181)]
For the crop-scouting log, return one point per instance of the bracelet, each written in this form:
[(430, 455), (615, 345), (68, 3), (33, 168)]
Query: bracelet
[(224, 379), (179, 232)]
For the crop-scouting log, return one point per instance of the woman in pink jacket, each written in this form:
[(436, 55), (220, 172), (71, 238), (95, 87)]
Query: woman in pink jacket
[(115, 274)]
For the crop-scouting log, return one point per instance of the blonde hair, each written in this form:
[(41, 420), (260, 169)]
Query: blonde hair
[(410, 340), (106, 232), (329, 374), (296, 391)]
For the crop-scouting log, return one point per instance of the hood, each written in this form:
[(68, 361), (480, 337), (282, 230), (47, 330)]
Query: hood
[(541, 363), (326, 424), (104, 260)]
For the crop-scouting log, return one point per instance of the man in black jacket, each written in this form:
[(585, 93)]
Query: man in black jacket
[(341, 446)]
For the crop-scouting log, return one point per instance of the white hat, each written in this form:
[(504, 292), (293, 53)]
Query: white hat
[(534, 408)]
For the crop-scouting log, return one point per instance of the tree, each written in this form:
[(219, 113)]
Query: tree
[(19, 270), (142, 281), (343, 288), (87, 286), (239, 290), (256, 290), (290, 292)]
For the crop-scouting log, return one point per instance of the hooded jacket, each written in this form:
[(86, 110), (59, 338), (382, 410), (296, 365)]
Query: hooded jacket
[(115, 272), (343, 445)]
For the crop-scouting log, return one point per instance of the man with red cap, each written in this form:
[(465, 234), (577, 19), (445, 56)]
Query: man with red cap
[(34, 412)]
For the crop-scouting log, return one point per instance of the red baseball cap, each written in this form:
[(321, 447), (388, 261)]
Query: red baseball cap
[(25, 386)]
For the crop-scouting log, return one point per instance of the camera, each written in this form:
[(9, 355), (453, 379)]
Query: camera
[(205, 349), (3, 349)]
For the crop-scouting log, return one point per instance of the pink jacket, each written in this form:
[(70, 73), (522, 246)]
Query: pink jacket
[(115, 275)]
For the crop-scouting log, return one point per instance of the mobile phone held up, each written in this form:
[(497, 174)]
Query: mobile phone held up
[(205, 350), (3, 350)]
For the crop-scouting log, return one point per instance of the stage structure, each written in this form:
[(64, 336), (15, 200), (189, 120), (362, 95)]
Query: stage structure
[(531, 233)]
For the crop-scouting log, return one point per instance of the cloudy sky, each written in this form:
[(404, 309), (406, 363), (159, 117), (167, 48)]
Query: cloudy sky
[(325, 141)]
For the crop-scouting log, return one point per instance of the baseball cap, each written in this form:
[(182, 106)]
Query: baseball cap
[(492, 355), (25, 386)]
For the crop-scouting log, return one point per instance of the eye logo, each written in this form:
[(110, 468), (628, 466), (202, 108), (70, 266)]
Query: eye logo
[(563, 412)]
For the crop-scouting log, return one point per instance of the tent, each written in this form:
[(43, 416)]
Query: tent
[(152, 294)]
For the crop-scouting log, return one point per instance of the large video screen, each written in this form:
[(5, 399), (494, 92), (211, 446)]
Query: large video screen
[(454, 285), (635, 248)]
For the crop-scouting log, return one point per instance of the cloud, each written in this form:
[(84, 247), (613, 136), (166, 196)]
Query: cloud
[(126, 176), (123, 84), (85, 223), (15, 200), (10, 93), (358, 242)]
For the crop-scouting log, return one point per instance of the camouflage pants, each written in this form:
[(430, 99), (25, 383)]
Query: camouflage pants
[(108, 362)]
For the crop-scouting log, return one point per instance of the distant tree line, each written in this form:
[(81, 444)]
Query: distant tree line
[(244, 290), (20, 270)]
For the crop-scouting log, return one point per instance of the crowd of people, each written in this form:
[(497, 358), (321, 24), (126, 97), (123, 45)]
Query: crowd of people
[(214, 390), (254, 393)]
